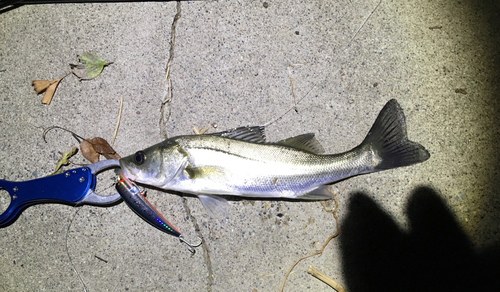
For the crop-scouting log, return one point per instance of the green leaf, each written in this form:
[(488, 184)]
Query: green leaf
[(92, 65), (65, 159)]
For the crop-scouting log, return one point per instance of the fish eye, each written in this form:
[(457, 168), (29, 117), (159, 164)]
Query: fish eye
[(139, 157)]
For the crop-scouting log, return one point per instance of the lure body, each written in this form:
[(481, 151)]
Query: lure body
[(142, 207)]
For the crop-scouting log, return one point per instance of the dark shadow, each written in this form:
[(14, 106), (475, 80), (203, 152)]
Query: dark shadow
[(434, 255), (8, 5)]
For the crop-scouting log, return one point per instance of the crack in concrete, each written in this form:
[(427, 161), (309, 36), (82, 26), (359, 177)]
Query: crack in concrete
[(206, 253), (165, 105), (165, 111)]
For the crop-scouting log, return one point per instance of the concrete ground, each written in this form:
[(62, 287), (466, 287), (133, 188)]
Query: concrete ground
[(233, 65)]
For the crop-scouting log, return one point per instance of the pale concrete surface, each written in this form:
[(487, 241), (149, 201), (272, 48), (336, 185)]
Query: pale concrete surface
[(231, 67)]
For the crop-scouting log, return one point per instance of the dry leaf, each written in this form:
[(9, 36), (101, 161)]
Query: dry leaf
[(49, 93), (88, 151), (91, 148), (48, 86), (99, 146), (40, 85)]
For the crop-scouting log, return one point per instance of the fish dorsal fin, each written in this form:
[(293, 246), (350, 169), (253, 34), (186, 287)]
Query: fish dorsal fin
[(247, 134), (305, 142)]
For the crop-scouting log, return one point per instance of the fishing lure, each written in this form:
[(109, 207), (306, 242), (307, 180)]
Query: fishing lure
[(142, 207)]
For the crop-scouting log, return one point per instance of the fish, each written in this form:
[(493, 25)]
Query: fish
[(240, 162)]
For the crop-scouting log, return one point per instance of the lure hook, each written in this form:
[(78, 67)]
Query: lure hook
[(136, 200), (190, 245)]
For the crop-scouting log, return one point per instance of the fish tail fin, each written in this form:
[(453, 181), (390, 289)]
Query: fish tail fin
[(388, 139)]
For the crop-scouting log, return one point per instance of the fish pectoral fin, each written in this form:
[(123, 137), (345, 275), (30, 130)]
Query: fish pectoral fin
[(319, 193), (306, 142), (202, 171), (215, 206)]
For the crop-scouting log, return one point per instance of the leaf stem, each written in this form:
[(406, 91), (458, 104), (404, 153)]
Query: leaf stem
[(57, 127)]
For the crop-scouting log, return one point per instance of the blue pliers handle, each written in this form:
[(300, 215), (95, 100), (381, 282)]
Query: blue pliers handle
[(74, 187)]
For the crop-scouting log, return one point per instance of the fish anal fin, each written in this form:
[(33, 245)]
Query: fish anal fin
[(216, 206), (306, 142), (319, 193)]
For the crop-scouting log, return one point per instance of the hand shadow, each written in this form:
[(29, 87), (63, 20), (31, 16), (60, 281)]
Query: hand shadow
[(434, 255)]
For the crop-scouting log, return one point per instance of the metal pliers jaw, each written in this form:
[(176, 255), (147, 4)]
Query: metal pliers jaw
[(73, 187), (92, 198)]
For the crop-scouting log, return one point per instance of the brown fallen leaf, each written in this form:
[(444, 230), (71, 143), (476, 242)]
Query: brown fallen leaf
[(48, 86), (49, 93), (88, 151), (40, 85), (91, 148), (102, 147)]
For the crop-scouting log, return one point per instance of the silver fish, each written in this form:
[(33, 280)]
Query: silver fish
[(240, 162)]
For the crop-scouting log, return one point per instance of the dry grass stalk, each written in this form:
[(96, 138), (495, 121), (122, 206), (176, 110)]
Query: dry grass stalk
[(329, 281)]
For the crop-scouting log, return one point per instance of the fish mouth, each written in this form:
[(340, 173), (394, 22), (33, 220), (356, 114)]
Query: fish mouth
[(126, 172)]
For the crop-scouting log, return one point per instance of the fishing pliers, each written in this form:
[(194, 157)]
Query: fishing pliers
[(73, 187)]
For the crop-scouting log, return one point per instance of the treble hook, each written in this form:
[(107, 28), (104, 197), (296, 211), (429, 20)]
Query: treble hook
[(190, 245), (136, 200)]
